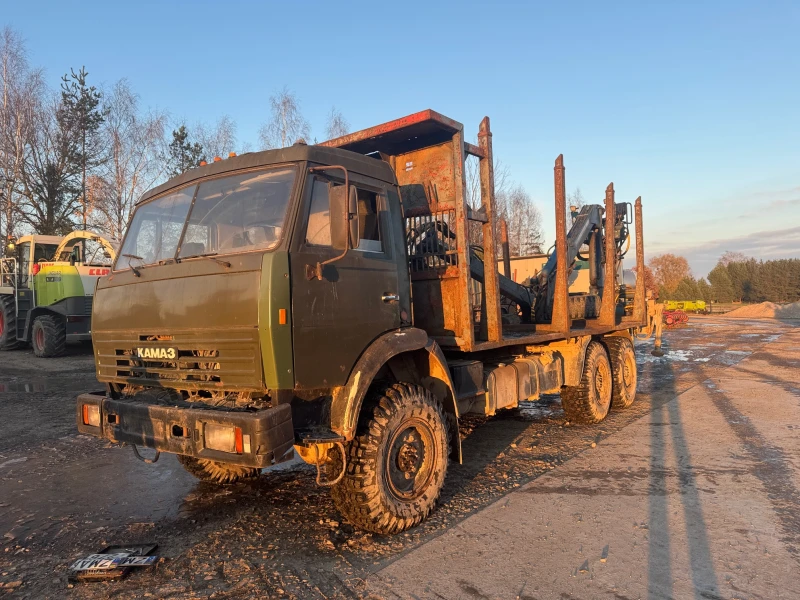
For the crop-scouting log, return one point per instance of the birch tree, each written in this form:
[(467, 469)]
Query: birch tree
[(336, 126), (218, 139), (133, 165), (21, 89), (286, 124)]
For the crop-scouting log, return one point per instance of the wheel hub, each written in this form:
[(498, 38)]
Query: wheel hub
[(410, 461), (629, 372)]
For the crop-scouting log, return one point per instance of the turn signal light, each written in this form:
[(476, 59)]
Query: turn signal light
[(91, 415), (232, 155), (36, 268), (217, 158)]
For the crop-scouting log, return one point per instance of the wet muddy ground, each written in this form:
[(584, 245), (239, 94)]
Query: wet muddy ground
[(63, 496)]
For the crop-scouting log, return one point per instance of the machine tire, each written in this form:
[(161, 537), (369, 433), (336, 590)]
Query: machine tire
[(622, 355), (216, 472), (8, 323), (48, 336), (589, 401), (397, 462)]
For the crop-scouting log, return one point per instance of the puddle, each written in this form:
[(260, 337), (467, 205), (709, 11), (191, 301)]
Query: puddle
[(41, 385), (673, 355)]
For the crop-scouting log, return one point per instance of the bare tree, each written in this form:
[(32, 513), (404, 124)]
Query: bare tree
[(574, 200), (286, 124), (21, 89), (524, 223), (135, 145), (218, 139), (337, 126), (51, 174)]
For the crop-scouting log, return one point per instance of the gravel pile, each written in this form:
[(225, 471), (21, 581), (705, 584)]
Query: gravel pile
[(767, 310)]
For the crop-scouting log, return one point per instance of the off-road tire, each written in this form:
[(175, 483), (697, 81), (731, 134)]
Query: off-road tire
[(368, 494), (216, 472), (622, 355), (589, 401), (48, 336), (8, 323)]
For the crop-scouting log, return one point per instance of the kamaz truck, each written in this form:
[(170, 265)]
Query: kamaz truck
[(322, 297), (46, 290)]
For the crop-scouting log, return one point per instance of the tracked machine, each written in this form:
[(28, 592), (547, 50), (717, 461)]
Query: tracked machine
[(321, 297)]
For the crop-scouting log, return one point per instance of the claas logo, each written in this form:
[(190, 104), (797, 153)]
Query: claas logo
[(99, 272)]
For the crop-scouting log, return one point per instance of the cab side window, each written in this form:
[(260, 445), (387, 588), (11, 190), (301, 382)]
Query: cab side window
[(318, 232), (369, 227)]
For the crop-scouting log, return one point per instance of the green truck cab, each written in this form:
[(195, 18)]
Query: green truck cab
[(323, 298), (46, 290)]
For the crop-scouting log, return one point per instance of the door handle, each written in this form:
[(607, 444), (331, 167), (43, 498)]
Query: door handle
[(390, 297)]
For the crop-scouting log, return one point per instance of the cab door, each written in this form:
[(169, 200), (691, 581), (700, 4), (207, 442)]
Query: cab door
[(358, 299)]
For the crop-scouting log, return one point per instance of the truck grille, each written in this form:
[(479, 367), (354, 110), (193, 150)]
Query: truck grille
[(87, 305), (204, 360)]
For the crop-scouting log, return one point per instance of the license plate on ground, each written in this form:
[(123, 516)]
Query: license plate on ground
[(98, 562)]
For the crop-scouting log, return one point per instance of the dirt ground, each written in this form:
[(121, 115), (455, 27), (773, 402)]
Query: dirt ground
[(692, 492)]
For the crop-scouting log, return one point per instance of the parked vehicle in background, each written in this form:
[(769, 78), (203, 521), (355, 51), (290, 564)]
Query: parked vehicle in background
[(46, 290), (695, 306)]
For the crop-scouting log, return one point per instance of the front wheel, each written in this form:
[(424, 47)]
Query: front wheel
[(8, 323), (397, 462), (589, 401), (49, 336)]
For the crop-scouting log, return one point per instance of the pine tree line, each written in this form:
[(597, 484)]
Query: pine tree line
[(742, 280)]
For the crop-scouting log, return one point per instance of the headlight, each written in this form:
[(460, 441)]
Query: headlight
[(91, 415), (225, 438)]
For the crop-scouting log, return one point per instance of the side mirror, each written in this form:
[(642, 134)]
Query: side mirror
[(344, 217)]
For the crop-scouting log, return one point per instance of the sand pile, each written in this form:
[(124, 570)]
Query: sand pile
[(767, 310)]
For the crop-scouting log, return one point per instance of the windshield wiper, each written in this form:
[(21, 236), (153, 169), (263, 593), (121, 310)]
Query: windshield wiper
[(134, 269), (212, 256)]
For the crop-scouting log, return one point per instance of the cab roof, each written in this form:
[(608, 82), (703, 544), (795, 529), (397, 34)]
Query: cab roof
[(352, 161)]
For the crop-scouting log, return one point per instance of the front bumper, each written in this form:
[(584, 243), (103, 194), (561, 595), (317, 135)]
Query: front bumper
[(269, 433)]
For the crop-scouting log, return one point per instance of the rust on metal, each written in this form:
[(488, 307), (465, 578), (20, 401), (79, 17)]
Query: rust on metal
[(491, 284), (473, 150), (505, 248), (608, 307), (639, 300), (404, 122), (560, 320), (454, 295)]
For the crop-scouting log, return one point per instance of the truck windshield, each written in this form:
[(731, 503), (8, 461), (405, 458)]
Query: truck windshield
[(230, 214)]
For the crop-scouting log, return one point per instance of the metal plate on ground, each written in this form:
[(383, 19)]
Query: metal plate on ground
[(112, 562)]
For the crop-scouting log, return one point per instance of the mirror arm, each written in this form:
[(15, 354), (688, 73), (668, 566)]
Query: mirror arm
[(316, 271)]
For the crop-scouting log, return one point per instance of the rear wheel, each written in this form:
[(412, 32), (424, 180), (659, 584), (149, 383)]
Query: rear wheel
[(623, 369), (8, 323), (397, 463), (49, 336), (589, 401), (216, 472)]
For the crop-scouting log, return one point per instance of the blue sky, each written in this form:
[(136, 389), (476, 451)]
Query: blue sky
[(692, 105)]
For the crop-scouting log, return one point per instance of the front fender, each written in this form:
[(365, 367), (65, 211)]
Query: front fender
[(348, 398)]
